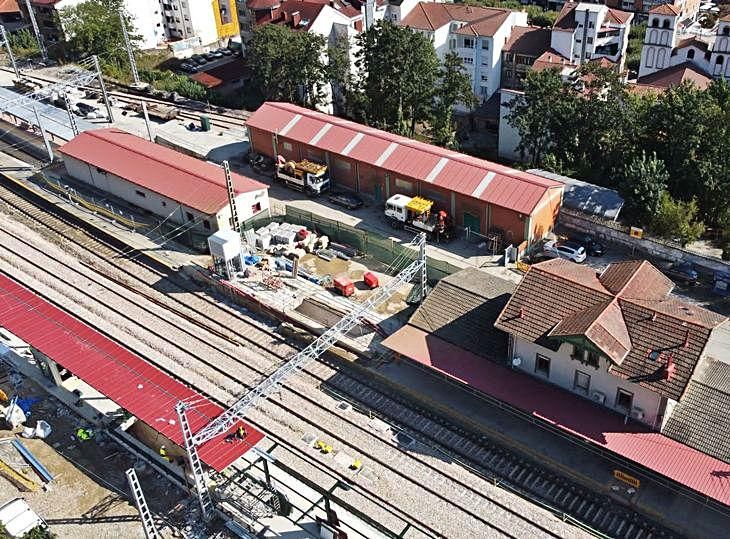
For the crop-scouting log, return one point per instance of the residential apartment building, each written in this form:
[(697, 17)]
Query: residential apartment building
[(688, 9), (584, 32), (666, 46), (525, 45), (476, 34), (617, 338), (199, 23)]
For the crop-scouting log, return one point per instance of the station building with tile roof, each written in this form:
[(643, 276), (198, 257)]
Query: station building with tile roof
[(479, 194)]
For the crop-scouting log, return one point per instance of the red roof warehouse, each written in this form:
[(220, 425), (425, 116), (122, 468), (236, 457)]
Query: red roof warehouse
[(479, 194)]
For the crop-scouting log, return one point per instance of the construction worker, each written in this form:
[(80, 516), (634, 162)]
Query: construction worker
[(163, 453), (241, 432)]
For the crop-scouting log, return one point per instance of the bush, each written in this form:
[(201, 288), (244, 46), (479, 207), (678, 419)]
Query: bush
[(170, 82), (676, 220)]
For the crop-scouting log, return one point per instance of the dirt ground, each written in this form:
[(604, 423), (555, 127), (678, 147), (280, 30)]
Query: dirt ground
[(89, 495)]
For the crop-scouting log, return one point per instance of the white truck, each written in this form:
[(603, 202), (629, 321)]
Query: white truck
[(306, 176), (414, 214)]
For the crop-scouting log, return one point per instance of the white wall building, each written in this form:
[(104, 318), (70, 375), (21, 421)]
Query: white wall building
[(171, 185), (584, 32), (666, 45), (200, 22), (476, 34), (617, 338)]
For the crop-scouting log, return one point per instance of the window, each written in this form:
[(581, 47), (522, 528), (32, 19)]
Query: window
[(404, 185), (589, 40), (624, 399), (468, 43), (581, 382), (288, 147), (140, 193), (589, 357), (590, 24), (452, 43), (189, 216), (542, 365), (164, 203), (468, 61), (206, 225), (593, 359), (665, 24), (654, 355), (485, 45), (484, 77), (256, 208), (342, 165), (690, 54), (719, 60)]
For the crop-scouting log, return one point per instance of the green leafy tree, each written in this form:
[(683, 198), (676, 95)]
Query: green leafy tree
[(677, 220), (288, 65), (454, 86), (537, 16), (93, 27), (340, 76), (24, 44), (544, 115), (397, 73), (643, 183), (636, 41)]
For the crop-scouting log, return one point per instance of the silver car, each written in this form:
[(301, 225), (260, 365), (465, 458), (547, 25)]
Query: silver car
[(566, 249)]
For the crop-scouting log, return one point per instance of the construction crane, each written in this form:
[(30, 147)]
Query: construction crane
[(224, 422)]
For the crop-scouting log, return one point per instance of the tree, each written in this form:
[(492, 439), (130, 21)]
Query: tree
[(23, 43), (93, 27), (454, 86), (340, 76), (397, 73), (677, 220), (643, 183), (288, 65), (543, 114)]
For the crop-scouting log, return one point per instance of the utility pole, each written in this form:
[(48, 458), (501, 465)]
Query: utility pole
[(231, 198), (103, 88), (147, 121), (148, 523), (424, 274), (206, 502), (71, 119), (130, 52), (36, 31), (6, 41), (43, 133)]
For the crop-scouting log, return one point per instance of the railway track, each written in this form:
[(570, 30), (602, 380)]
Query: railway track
[(476, 453)]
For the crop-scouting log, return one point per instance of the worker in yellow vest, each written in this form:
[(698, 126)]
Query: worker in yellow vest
[(163, 453)]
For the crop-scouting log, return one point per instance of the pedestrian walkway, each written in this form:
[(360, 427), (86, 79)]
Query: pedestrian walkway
[(562, 449)]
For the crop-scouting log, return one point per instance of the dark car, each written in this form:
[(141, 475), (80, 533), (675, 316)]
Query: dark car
[(347, 200), (225, 52), (200, 60), (589, 243), (682, 272)]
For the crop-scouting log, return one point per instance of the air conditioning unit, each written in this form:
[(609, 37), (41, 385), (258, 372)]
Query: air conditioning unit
[(516, 361), (598, 397), (637, 413)]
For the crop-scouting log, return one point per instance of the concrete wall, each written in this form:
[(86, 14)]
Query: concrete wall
[(147, 20), (509, 137), (649, 247), (562, 373), (203, 21)]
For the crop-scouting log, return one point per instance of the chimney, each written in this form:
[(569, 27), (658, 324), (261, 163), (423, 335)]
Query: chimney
[(686, 340), (296, 19), (669, 368), (275, 13)]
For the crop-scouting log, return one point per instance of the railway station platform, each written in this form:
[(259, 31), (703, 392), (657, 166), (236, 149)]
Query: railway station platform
[(570, 435), (135, 385)]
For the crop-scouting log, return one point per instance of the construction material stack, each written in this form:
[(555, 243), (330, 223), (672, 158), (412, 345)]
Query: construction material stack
[(306, 176), (416, 214)]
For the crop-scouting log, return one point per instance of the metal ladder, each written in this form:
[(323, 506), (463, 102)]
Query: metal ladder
[(150, 530), (235, 225), (206, 502)]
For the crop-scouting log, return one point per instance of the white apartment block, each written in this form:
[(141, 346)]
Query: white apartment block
[(585, 32), (476, 34), (666, 45), (199, 22)]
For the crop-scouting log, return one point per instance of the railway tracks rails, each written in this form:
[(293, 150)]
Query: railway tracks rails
[(429, 431)]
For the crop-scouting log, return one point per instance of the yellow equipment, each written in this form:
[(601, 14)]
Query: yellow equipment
[(420, 205)]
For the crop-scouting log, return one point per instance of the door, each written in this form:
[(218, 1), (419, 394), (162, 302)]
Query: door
[(378, 192), (472, 222)]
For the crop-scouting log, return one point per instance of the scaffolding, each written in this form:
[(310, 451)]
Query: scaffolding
[(228, 419)]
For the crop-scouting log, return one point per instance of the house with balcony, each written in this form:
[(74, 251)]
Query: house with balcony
[(618, 337), (525, 45), (688, 9), (668, 48), (584, 32), (476, 34)]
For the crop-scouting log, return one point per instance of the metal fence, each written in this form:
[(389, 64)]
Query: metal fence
[(392, 253)]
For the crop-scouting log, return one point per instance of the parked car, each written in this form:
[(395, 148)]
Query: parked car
[(566, 249), (592, 247), (198, 59), (209, 56), (347, 200), (683, 273), (216, 54), (224, 51), (189, 67)]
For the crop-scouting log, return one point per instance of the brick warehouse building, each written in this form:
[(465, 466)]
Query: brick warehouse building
[(479, 194)]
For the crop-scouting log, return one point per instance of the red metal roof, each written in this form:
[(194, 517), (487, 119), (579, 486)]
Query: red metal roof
[(496, 184), (131, 382), (183, 178), (573, 414)]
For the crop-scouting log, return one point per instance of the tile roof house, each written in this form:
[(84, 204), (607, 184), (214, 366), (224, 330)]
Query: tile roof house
[(617, 337), (476, 34)]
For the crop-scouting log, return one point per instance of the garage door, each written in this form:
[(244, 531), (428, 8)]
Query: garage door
[(472, 222)]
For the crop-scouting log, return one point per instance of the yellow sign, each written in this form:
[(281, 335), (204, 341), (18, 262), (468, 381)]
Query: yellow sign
[(522, 266), (636, 232), (626, 478)]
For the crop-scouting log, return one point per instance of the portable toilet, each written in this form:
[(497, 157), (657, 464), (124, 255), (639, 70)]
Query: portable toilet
[(205, 123), (345, 285)]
